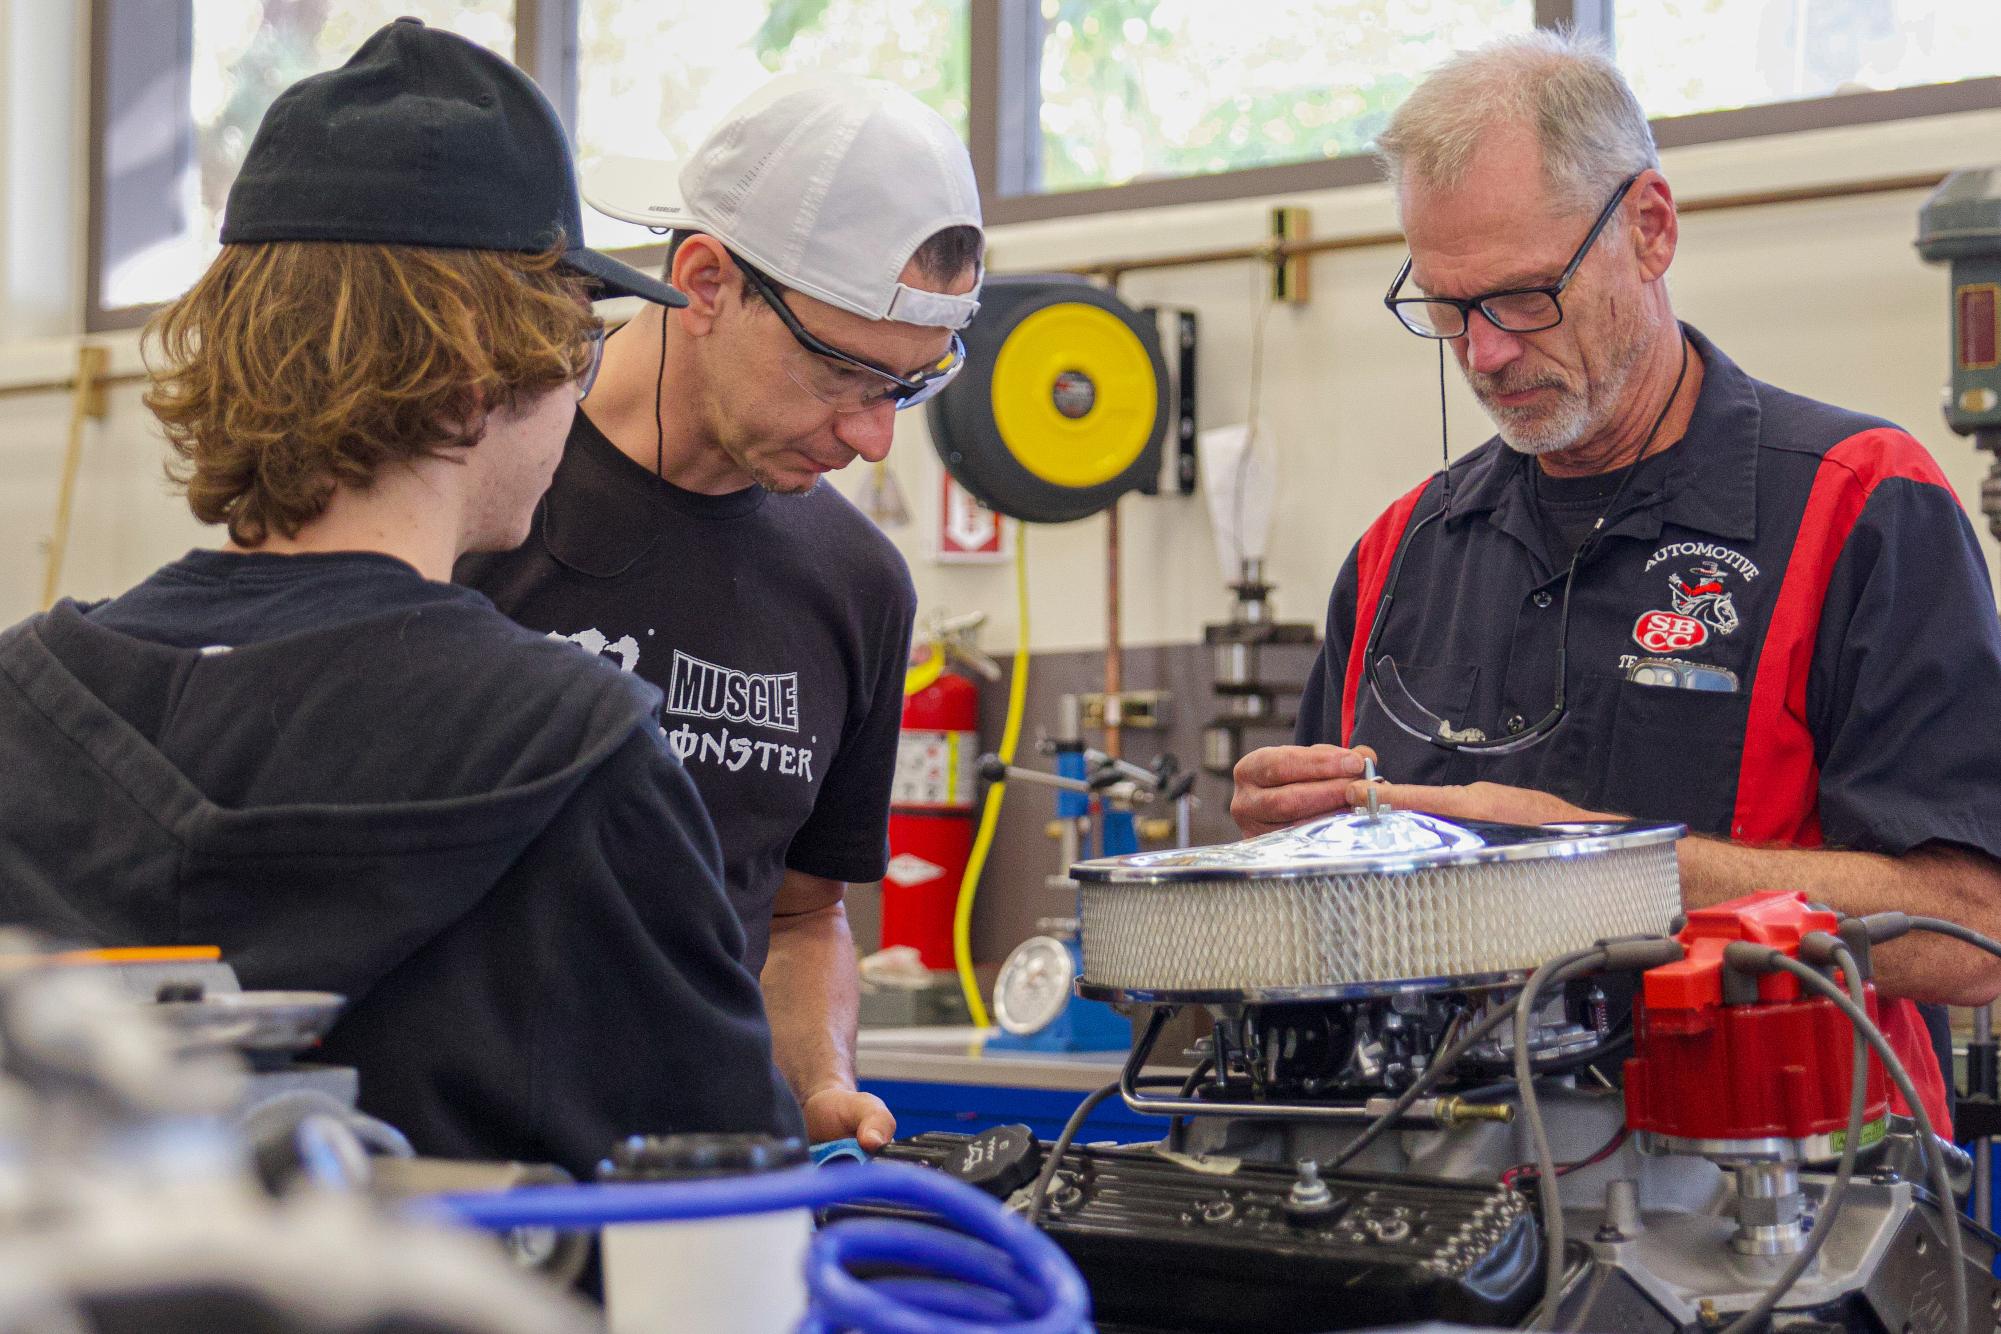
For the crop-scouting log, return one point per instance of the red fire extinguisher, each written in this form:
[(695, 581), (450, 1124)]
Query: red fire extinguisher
[(931, 815)]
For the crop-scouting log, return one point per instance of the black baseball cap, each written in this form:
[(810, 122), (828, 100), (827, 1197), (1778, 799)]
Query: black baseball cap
[(424, 139)]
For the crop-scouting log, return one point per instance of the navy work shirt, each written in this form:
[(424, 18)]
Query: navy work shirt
[(1786, 636)]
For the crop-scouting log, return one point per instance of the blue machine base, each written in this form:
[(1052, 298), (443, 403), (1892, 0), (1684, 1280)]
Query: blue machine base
[(1084, 1025), (971, 1108)]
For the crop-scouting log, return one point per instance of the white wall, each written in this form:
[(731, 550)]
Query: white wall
[(1828, 299), (125, 519)]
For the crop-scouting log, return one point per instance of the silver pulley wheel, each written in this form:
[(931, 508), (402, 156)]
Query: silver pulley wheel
[(1033, 986)]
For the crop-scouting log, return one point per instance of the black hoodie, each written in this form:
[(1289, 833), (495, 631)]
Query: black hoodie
[(475, 834)]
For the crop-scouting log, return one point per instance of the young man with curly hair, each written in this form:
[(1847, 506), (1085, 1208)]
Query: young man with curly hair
[(313, 750)]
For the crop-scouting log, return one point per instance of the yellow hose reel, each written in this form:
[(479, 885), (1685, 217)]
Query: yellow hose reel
[(1063, 405)]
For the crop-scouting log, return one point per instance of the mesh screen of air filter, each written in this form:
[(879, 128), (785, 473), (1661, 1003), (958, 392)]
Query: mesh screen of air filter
[(1358, 905)]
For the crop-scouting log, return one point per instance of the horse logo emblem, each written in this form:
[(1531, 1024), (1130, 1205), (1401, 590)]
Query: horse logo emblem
[(1702, 597)]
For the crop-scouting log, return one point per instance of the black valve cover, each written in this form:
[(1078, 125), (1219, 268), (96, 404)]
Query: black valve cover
[(1165, 1247)]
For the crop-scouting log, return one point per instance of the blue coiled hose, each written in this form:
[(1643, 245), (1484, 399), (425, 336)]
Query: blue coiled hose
[(995, 1275)]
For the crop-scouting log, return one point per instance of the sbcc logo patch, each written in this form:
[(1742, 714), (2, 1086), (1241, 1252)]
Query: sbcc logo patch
[(1665, 632)]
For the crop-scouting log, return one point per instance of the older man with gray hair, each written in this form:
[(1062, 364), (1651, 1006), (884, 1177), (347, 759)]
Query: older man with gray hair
[(1666, 589)]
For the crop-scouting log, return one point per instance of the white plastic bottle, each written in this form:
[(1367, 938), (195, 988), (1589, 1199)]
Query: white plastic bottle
[(740, 1275)]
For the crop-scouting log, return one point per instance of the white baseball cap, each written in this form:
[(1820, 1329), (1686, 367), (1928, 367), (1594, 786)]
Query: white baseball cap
[(826, 186)]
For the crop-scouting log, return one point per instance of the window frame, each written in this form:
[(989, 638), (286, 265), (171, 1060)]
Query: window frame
[(545, 45), (1006, 50), (1004, 80), (103, 14)]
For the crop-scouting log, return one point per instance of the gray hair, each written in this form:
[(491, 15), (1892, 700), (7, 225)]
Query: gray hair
[(1590, 126)]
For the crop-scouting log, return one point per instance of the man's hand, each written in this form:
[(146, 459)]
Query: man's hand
[(1478, 801), (811, 991), (1282, 785), (845, 1113)]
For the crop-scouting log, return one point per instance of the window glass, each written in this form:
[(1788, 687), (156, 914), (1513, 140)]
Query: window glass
[(1689, 56), (1133, 89), (244, 53), (654, 79)]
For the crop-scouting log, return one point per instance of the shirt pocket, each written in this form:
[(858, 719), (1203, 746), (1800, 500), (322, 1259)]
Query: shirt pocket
[(1674, 754), (1447, 690)]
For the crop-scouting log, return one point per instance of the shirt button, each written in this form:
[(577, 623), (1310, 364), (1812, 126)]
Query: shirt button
[(1517, 723), (1542, 599)]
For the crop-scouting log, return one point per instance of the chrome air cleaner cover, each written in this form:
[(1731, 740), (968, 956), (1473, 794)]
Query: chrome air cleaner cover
[(1363, 904)]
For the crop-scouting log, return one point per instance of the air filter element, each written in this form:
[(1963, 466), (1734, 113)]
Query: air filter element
[(1062, 406), (1360, 904)]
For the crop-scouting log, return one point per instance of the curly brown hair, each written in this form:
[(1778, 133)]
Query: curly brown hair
[(292, 368)]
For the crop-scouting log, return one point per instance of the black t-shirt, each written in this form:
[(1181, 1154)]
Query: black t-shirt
[(220, 599), (777, 629), (1568, 506)]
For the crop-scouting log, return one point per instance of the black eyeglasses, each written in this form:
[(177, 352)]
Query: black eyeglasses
[(1513, 310), (869, 385)]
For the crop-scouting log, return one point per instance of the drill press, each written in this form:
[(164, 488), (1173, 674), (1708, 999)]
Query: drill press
[(1960, 225)]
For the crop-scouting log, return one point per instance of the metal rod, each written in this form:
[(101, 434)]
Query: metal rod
[(1989, 439), (1098, 759), (1420, 1113), (1274, 252), (1983, 1149), (1016, 774), (1114, 661)]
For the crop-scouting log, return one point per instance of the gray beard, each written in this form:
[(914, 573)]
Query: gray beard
[(1575, 416), (1549, 432)]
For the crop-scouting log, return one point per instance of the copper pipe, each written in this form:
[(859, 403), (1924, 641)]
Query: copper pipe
[(1111, 269), (1114, 662), (68, 383), (1274, 251)]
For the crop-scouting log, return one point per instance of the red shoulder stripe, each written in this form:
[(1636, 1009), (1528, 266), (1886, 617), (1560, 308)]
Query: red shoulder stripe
[(1373, 557), (1778, 781)]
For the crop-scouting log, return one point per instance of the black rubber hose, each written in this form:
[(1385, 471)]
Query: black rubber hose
[(1177, 1128), (1941, 1183), (1858, 1097), (1039, 1195), (1887, 926), (1441, 1065), (1547, 1186)]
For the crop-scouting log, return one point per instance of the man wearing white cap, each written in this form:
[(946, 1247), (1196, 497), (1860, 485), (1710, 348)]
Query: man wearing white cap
[(827, 236)]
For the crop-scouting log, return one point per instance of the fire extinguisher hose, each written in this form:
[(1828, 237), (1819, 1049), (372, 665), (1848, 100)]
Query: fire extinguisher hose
[(1017, 699)]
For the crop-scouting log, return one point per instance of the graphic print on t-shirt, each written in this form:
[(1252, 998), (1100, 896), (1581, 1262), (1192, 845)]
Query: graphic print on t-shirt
[(625, 649), (700, 689), (710, 693)]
